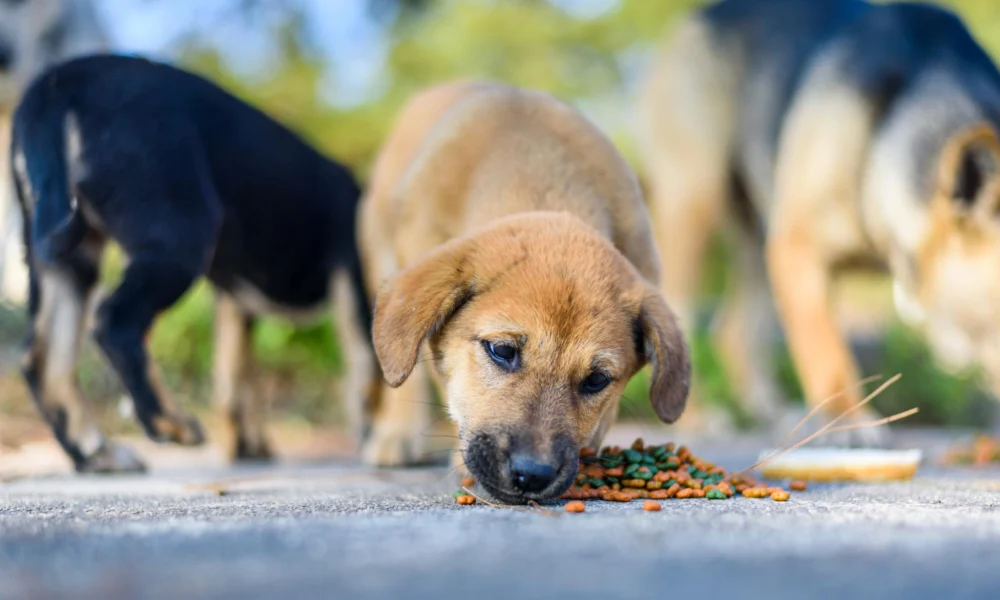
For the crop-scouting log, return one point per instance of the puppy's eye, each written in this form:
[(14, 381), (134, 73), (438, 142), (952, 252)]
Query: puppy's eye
[(504, 355), (594, 383)]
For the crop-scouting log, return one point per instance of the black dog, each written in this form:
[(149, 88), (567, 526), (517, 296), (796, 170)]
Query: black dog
[(188, 181)]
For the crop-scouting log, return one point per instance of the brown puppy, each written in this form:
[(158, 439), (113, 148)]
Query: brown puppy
[(512, 256)]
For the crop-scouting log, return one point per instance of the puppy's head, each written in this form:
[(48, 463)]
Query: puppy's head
[(533, 325), (954, 292)]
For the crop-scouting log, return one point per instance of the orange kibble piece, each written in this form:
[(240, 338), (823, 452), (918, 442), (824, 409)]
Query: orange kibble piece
[(465, 500), (585, 452), (615, 471), (468, 482), (797, 486), (780, 496), (650, 506), (685, 493), (697, 493), (575, 507)]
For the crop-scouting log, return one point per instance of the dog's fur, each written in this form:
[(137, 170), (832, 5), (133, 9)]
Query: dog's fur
[(501, 216), (188, 180), (34, 34), (833, 133)]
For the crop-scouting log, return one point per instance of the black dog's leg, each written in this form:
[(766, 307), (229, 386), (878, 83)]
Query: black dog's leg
[(236, 391), (152, 283), (58, 309)]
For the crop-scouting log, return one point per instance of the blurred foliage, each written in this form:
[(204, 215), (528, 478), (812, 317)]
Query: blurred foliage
[(587, 57)]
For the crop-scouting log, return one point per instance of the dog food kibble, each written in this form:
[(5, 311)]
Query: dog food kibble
[(983, 450), (468, 482), (658, 473), (651, 474)]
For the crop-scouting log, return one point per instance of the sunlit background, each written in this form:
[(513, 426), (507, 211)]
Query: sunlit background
[(336, 71)]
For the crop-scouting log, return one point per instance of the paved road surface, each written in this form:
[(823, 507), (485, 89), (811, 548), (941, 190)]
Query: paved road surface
[(339, 531)]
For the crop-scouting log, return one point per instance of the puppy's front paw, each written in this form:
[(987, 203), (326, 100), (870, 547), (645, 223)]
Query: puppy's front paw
[(391, 449), (112, 458), (177, 428)]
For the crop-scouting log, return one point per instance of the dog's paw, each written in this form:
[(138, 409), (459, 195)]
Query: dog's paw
[(177, 428), (385, 449), (252, 450), (112, 457)]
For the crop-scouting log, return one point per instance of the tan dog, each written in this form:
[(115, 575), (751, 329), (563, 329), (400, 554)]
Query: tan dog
[(512, 254), (862, 134)]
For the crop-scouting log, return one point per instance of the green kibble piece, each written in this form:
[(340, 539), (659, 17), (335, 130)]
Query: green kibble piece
[(632, 456), (610, 462), (460, 493), (643, 475), (631, 469), (669, 483), (671, 465), (611, 480), (699, 474), (649, 461), (596, 482), (715, 495), (659, 452)]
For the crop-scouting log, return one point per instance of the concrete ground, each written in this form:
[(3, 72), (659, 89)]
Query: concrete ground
[(335, 530)]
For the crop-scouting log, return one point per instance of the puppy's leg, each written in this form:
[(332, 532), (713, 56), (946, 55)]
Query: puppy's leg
[(58, 310), (235, 391), (743, 332), (815, 223), (152, 283), (400, 423)]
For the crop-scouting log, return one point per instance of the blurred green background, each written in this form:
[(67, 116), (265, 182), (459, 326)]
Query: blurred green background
[(588, 52)]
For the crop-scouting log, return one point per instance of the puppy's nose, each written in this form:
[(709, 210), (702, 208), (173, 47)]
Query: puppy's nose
[(529, 475)]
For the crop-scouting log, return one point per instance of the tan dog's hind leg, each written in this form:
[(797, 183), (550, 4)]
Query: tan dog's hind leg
[(687, 112), (742, 332), (50, 370), (815, 223), (234, 388)]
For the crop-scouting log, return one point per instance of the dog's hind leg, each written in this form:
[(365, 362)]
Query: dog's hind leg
[(58, 317), (687, 117), (815, 224), (235, 392), (744, 328)]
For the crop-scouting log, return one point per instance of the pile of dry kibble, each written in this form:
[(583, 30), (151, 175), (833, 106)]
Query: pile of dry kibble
[(982, 451), (656, 473)]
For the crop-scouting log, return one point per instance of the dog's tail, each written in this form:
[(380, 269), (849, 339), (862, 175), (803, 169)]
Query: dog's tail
[(56, 224)]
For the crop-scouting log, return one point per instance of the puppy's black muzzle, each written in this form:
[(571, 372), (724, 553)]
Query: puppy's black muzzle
[(512, 471)]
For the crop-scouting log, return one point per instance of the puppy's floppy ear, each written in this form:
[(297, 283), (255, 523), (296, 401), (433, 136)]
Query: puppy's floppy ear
[(970, 161), (416, 303), (661, 343)]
